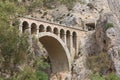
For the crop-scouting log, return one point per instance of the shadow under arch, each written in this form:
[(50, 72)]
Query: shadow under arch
[(57, 51)]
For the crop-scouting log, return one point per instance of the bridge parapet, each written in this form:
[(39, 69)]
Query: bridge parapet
[(62, 25)]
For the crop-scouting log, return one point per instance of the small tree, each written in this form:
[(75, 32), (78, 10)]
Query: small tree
[(16, 60), (99, 63)]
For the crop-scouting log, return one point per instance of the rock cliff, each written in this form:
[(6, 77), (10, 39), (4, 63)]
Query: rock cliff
[(92, 16)]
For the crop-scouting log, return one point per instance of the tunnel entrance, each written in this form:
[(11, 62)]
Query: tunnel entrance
[(59, 57), (90, 26)]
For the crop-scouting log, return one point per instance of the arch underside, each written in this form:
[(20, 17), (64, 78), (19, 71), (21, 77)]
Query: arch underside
[(57, 51), (60, 43)]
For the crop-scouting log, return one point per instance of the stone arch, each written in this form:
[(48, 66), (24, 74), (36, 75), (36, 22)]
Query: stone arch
[(68, 39), (25, 26), (48, 29), (33, 28), (74, 39), (41, 28), (55, 30), (62, 34), (57, 51)]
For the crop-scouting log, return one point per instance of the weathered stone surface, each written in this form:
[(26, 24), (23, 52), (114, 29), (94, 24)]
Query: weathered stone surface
[(95, 40), (115, 7), (79, 72), (61, 76)]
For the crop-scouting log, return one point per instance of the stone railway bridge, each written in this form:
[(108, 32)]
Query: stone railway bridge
[(61, 42)]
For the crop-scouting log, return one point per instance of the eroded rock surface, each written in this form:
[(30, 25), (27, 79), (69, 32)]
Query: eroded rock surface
[(91, 16)]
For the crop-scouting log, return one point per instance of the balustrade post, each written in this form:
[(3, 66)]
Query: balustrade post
[(58, 34), (29, 29), (20, 28), (37, 34)]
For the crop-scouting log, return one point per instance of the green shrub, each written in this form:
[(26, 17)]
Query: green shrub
[(41, 75), (1, 78), (119, 52), (29, 73), (112, 76), (99, 63), (96, 77), (108, 25), (48, 3), (16, 60)]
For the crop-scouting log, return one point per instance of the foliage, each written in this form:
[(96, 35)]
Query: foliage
[(100, 63), (119, 52), (29, 73), (48, 3), (108, 25), (34, 4), (69, 3), (112, 76), (61, 1), (43, 75), (96, 77), (101, 67), (16, 60), (12, 46)]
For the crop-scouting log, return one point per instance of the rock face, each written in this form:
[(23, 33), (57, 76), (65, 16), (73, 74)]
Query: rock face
[(114, 6), (101, 39), (105, 39), (61, 76), (91, 16), (116, 58), (114, 33), (79, 72), (103, 42)]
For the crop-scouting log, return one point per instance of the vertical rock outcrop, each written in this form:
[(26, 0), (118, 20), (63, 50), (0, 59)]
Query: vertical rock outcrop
[(103, 42), (115, 7)]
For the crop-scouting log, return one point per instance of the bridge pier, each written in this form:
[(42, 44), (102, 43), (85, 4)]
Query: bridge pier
[(72, 49)]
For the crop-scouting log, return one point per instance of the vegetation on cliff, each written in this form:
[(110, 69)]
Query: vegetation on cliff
[(17, 62), (101, 67), (51, 4)]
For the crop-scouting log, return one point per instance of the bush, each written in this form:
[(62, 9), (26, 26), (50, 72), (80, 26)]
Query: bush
[(119, 52), (99, 63), (112, 76), (96, 77), (108, 25), (48, 3), (101, 66), (30, 73), (17, 62)]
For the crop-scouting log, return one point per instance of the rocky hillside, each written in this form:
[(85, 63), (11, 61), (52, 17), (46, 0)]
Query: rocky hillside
[(100, 19)]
